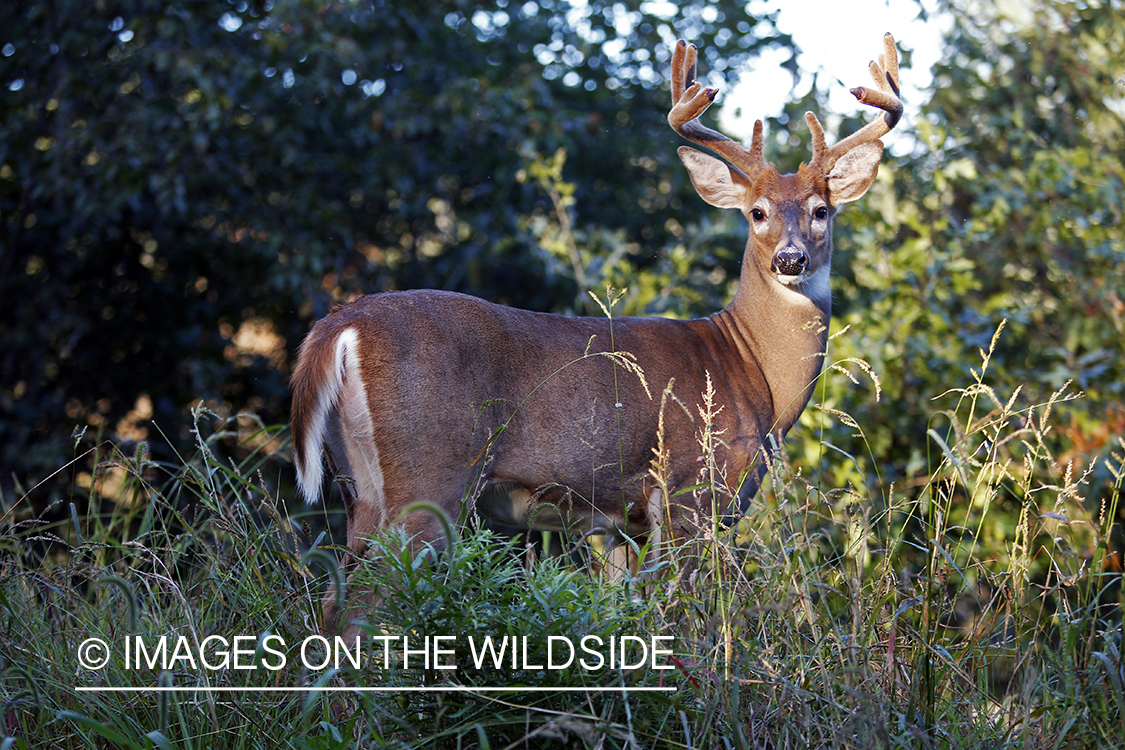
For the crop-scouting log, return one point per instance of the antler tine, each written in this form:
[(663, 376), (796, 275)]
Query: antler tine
[(890, 54), (885, 97), (690, 100)]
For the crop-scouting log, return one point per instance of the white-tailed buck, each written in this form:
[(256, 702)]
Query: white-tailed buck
[(540, 421)]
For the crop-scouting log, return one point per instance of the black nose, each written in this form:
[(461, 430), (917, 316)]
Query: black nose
[(790, 261)]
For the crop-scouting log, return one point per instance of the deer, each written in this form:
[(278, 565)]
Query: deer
[(545, 422)]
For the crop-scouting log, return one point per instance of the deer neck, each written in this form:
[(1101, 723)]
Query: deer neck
[(782, 331)]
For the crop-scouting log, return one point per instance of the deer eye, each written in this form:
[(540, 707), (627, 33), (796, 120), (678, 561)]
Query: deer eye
[(757, 214), (821, 212)]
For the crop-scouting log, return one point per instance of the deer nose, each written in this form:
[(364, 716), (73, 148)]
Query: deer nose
[(790, 261)]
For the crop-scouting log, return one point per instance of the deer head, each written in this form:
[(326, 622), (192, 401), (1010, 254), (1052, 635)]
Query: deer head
[(790, 215)]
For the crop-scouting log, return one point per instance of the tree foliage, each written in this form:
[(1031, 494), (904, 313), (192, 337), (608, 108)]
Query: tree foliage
[(185, 186), (1009, 209)]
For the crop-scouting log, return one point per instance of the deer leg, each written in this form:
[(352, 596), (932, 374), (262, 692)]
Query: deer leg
[(617, 559), (362, 521), (422, 528)]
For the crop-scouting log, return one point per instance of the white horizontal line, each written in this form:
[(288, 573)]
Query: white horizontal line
[(336, 689)]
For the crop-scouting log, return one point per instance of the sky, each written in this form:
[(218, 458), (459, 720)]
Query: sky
[(837, 38)]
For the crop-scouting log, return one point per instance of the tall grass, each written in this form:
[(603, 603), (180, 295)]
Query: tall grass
[(855, 616)]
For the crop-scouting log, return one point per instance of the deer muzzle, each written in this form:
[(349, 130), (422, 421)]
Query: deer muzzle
[(789, 263)]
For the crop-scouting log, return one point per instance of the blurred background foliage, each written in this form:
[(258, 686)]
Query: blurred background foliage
[(186, 186)]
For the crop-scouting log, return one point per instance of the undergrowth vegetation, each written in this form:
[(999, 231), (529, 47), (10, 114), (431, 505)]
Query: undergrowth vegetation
[(850, 616)]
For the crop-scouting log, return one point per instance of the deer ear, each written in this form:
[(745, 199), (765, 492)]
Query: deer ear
[(717, 183), (854, 172)]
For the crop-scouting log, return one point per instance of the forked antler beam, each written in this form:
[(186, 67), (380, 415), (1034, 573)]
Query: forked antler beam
[(690, 100), (884, 73)]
